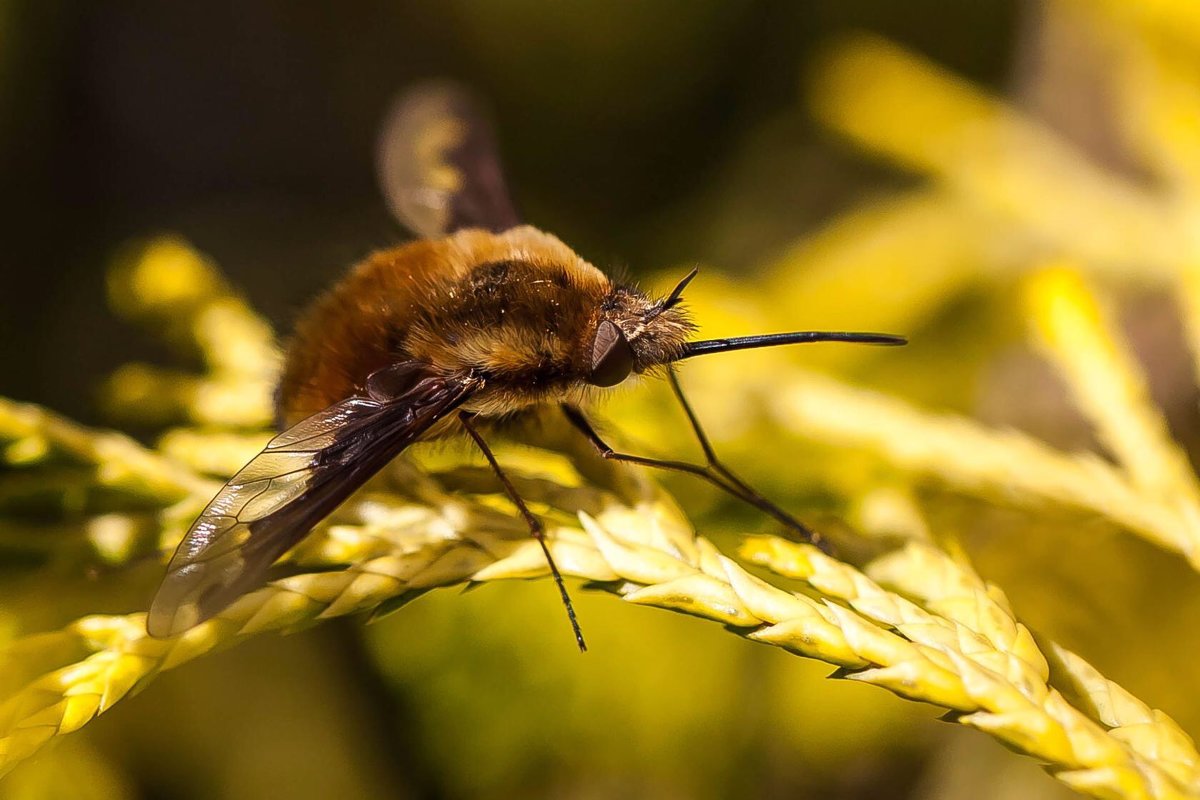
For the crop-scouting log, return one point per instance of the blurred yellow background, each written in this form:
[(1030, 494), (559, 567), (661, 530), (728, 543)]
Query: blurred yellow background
[(1015, 186)]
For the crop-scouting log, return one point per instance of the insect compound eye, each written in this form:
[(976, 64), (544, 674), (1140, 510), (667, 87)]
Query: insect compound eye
[(612, 357)]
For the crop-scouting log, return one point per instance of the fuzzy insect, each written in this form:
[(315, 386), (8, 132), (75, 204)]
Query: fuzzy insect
[(480, 320)]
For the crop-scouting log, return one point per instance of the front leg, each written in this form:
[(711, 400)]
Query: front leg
[(713, 472)]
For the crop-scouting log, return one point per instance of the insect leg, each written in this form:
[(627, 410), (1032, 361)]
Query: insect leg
[(535, 525), (713, 472), (579, 421), (710, 455)]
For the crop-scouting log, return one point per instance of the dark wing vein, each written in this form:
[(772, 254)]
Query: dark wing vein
[(301, 476)]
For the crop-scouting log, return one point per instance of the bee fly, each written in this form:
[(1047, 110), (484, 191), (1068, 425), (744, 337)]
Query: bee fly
[(481, 319)]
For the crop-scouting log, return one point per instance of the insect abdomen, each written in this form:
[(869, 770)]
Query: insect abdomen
[(354, 329)]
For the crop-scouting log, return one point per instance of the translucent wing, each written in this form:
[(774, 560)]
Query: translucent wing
[(438, 165), (271, 503)]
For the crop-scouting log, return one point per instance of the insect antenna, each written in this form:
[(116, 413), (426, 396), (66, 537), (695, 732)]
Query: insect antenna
[(674, 298), (535, 525), (676, 294)]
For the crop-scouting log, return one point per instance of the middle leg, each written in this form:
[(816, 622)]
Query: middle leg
[(536, 529)]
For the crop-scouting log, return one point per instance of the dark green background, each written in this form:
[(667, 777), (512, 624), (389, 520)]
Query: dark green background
[(248, 127)]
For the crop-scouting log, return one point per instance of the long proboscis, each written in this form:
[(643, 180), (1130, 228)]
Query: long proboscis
[(776, 339)]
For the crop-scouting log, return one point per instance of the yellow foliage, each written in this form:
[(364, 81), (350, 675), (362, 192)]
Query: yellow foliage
[(1012, 211)]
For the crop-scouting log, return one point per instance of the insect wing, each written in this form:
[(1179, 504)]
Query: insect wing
[(438, 164), (301, 476)]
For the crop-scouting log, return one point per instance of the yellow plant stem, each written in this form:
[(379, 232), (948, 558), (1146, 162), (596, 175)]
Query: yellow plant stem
[(979, 662), (119, 461)]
